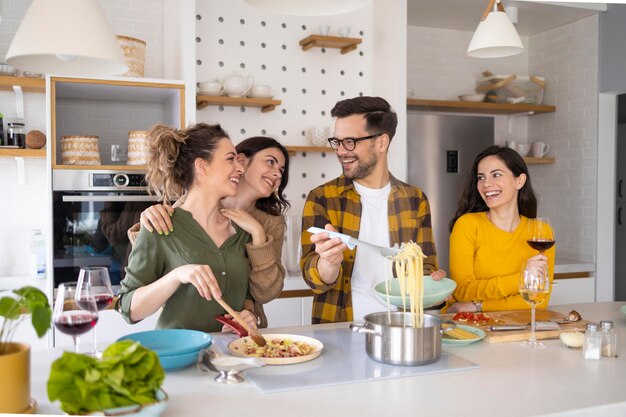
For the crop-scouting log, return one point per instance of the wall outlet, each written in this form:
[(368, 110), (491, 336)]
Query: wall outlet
[(119, 153)]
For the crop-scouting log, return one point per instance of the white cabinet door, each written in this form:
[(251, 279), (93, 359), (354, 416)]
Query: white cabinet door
[(111, 326), (307, 308), (573, 290)]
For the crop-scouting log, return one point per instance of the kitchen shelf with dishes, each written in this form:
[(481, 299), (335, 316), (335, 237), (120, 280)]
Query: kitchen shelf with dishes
[(538, 161), (28, 84), (477, 107), (339, 42), (295, 149), (266, 104)]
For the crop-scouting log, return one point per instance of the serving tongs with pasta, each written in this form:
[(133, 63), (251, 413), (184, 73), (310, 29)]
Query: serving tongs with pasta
[(352, 242)]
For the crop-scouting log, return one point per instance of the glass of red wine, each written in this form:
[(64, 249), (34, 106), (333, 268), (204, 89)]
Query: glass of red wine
[(98, 278), (74, 317), (540, 234)]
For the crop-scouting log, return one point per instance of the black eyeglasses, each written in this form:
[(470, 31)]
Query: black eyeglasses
[(349, 143)]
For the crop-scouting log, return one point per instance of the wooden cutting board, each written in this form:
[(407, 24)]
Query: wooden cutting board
[(519, 317)]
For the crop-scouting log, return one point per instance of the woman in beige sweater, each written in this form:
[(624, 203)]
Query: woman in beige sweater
[(260, 205)]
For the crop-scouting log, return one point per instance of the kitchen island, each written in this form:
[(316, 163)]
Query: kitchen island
[(511, 380)]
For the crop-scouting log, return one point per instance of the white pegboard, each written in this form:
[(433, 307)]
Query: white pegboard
[(266, 46)]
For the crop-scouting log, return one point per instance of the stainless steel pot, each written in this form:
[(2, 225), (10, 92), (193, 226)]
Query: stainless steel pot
[(395, 341)]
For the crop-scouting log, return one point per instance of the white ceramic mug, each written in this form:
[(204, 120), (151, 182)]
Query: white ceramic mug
[(211, 87), (511, 144), (540, 149), (523, 149), (344, 31), (324, 30), (260, 90), (237, 85)]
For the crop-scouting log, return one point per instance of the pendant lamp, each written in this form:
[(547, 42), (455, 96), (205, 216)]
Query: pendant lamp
[(495, 36), (66, 37), (309, 7)]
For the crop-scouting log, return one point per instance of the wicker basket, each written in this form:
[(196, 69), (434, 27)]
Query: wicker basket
[(137, 148), (134, 54), (80, 150)]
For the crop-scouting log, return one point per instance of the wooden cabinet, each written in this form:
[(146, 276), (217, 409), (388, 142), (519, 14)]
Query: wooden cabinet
[(109, 109)]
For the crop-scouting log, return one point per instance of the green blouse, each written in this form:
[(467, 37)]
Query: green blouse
[(153, 256)]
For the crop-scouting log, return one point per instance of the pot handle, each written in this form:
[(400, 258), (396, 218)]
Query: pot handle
[(447, 329), (360, 328)]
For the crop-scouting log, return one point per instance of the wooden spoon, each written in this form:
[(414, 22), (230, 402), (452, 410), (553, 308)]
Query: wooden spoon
[(254, 333)]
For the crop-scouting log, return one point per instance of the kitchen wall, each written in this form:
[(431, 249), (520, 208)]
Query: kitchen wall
[(567, 56), (22, 207), (265, 46)]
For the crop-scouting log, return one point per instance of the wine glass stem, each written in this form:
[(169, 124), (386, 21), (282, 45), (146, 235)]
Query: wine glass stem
[(76, 344), (95, 341), (532, 323)]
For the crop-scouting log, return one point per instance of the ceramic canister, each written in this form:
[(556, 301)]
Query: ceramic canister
[(137, 148), (80, 150)]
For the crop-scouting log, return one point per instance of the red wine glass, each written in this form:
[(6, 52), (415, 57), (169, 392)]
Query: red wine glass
[(98, 278), (71, 318), (540, 234)]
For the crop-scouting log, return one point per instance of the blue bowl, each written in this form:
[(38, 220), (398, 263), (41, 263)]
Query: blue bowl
[(435, 292), (166, 342), (177, 362)]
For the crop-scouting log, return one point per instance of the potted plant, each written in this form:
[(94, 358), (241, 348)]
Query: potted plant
[(15, 357)]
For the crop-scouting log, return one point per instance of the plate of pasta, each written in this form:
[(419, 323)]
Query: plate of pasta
[(281, 349), (435, 292)]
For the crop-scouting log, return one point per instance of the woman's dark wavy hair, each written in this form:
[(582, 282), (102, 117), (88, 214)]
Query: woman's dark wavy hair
[(275, 204), (472, 202)]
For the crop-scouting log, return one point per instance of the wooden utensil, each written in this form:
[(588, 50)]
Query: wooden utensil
[(254, 333)]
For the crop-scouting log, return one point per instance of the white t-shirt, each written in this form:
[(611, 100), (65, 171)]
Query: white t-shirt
[(369, 265)]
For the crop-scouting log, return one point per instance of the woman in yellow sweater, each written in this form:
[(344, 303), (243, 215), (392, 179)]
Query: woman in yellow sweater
[(489, 232)]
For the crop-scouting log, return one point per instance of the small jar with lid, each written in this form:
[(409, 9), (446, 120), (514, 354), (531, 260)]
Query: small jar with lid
[(593, 342), (16, 135), (609, 339)]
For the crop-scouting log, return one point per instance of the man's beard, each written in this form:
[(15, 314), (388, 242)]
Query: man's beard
[(363, 169)]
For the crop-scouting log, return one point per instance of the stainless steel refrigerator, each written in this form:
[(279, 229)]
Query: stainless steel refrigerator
[(441, 149), (620, 213)]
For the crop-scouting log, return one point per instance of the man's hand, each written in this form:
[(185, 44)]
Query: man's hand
[(330, 253)]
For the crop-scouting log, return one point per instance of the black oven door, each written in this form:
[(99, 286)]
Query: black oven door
[(90, 229)]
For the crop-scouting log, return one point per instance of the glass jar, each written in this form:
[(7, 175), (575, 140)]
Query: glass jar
[(16, 135), (609, 339)]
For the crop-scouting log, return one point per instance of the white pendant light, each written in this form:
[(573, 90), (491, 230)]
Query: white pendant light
[(495, 36), (66, 37), (309, 7)]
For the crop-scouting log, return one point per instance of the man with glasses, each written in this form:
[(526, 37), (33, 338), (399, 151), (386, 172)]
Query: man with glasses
[(367, 203)]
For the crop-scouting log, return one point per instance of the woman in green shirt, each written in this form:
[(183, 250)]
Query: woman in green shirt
[(206, 257)]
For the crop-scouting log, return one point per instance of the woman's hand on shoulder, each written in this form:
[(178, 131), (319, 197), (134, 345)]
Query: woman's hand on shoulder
[(201, 277), (247, 223), (157, 217)]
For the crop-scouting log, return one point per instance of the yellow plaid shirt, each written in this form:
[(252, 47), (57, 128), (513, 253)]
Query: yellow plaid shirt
[(338, 203)]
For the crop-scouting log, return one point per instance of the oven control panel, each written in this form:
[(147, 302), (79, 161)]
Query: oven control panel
[(118, 180)]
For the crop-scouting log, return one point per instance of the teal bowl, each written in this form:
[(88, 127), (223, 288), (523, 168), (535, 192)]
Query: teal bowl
[(435, 292), (171, 341), (171, 363), (624, 309)]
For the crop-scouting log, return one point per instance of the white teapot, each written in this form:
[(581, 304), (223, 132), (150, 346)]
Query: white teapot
[(236, 85)]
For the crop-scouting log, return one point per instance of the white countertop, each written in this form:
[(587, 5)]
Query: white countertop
[(512, 380)]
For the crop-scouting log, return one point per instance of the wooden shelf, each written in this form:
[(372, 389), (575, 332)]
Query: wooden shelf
[(28, 84), (266, 104), (295, 149), (102, 167), (24, 153), (471, 107), (345, 44), (538, 161)]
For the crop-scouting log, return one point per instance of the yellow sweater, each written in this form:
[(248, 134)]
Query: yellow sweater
[(486, 262)]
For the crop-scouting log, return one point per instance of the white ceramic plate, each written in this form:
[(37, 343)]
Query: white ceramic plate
[(237, 348), (456, 342)]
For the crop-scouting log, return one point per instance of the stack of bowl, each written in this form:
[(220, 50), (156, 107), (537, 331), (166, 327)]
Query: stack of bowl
[(176, 348)]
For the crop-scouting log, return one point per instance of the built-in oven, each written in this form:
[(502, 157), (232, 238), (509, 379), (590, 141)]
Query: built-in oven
[(92, 211)]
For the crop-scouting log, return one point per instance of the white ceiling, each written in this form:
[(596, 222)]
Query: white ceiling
[(465, 14)]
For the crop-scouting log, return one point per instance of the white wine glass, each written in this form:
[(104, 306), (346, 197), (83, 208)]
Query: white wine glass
[(534, 287), (71, 318), (98, 278)]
